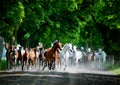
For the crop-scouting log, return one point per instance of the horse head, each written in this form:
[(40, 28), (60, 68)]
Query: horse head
[(57, 45), (67, 47)]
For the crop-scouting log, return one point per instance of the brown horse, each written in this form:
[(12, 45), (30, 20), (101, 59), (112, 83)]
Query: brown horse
[(25, 58), (7, 52), (10, 55), (36, 57), (33, 56), (51, 55), (28, 57)]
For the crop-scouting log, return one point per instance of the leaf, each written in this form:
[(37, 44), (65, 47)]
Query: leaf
[(27, 35)]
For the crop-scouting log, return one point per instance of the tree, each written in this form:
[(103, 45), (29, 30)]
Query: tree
[(88, 23), (12, 14)]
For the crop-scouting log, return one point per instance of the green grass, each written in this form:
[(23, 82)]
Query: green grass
[(3, 65), (115, 69)]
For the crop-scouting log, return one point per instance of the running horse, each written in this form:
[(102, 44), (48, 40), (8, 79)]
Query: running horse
[(51, 55), (41, 54), (25, 58), (36, 57), (64, 55), (10, 55)]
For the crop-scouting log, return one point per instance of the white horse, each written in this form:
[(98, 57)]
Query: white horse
[(77, 54), (64, 55), (100, 58)]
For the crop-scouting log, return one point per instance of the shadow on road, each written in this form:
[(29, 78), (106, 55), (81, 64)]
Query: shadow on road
[(57, 78)]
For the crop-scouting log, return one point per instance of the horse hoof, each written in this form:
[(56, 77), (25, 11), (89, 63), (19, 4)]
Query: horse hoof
[(43, 69)]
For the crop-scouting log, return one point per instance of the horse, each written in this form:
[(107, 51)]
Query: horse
[(84, 56), (31, 57), (51, 55), (20, 52), (64, 55), (77, 55), (7, 52), (22, 56), (25, 58), (90, 59), (41, 54), (100, 58), (10, 58), (36, 59), (16, 55)]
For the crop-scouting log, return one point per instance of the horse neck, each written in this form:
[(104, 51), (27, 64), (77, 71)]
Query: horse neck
[(41, 50), (35, 53), (64, 49), (26, 51), (54, 48)]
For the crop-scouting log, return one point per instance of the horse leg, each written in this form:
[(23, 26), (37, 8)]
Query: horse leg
[(11, 64), (42, 62), (22, 65), (49, 65), (29, 61), (39, 62), (53, 65), (65, 64), (45, 65), (60, 63), (7, 63), (15, 61)]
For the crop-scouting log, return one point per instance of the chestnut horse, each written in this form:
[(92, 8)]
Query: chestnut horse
[(28, 57), (51, 55), (36, 57), (25, 58)]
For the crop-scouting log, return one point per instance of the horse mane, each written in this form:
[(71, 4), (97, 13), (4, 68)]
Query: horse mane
[(56, 41), (65, 45)]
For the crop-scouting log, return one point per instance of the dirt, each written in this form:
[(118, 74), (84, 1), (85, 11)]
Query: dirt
[(70, 76)]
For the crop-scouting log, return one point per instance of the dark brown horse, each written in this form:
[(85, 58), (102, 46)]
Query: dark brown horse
[(10, 55), (41, 54), (51, 55)]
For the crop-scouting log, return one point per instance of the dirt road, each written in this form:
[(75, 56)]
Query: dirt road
[(68, 77)]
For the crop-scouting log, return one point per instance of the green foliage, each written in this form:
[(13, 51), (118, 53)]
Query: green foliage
[(3, 65), (12, 13)]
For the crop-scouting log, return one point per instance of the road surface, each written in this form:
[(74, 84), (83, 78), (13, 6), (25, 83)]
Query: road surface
[(70, 76)]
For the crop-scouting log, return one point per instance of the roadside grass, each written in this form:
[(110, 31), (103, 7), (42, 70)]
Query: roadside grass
[(3, 65), (115, 69)]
